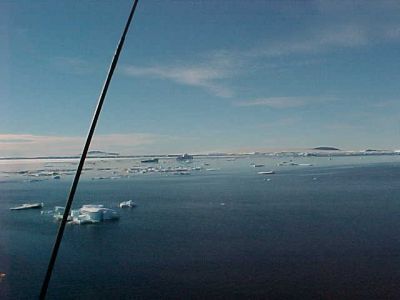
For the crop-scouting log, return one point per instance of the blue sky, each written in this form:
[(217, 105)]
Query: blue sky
[(200, 76)]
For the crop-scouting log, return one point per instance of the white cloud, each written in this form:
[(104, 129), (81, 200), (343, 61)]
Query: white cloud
[(321, 40), (335, 25), (45, 145), (73, 65), (393, 32), (204, 76), (217, 68), (278, 124), (277, 102), (392, 103)]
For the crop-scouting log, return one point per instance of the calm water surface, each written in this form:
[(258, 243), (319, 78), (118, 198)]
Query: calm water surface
[(329, 231)]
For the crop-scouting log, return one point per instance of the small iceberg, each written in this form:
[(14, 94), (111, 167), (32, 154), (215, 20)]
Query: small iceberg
[(182, 173), (288, 163), (27, 206), (291, 163), (257, 165), (266, 173), (127, 204), (185, 157), (151, 160)]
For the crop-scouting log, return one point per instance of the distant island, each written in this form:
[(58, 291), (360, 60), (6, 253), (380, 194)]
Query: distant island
[(326, 148), (322, 151), (98, 153), (375, 150)]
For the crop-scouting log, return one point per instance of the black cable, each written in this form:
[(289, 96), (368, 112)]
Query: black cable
[(74, 185)]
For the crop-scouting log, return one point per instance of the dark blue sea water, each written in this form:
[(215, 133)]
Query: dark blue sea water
[(330, 231)]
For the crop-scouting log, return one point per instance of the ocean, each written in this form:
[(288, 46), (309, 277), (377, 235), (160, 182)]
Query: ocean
[(213, 229)]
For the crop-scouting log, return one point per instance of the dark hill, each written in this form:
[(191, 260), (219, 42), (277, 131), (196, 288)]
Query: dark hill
[(326, 148)]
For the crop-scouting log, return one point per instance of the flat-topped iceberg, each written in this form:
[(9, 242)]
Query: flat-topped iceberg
[(87, 214), (27, 206)]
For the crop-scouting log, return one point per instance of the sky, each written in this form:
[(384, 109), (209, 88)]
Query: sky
[(199, 76)]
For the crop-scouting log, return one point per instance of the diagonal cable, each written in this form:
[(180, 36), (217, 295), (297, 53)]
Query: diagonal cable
[(92, 128)]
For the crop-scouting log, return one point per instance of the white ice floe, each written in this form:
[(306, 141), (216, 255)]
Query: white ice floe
[(266, 173), (257, 165), (127, 204), (27, 206)]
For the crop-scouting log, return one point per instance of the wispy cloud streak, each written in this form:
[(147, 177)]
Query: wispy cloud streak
[(277, 102), (323, 40), (206, 77), (73, 65), (338, 26)]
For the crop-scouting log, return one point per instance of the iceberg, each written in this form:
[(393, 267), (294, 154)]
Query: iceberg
[(87, 214), (266, 173), (27, 206), (127, 204)]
